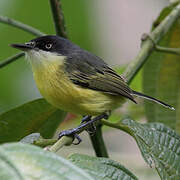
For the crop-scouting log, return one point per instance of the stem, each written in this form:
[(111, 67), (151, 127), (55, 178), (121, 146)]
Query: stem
[(175, 51), (148, 46), (21, 26), (64, 141), (44, 142), (58, 17), (98, 142), (11, 59), (117, 126)]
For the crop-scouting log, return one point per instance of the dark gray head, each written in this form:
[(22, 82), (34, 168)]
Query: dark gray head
[(49, 43), (49, 47)]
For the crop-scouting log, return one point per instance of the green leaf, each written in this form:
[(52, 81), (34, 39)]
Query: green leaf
[(35, 116), (31, 138), (161, 78), (22, 161), (101, 168), (159, 145)]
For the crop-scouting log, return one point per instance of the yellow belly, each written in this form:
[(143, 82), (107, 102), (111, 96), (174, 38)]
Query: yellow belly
[(59, 91)]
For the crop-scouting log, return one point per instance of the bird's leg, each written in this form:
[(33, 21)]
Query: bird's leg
[(92, 129), (75, 131), (85, 119)]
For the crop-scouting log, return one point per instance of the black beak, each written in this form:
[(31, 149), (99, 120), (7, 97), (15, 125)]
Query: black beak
[(23, 47)]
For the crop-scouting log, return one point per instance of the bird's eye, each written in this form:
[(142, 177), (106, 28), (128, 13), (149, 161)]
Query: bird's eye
[(31, 43), (48, 46)]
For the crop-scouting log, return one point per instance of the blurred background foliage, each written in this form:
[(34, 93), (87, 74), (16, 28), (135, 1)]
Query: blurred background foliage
[(109, 30)]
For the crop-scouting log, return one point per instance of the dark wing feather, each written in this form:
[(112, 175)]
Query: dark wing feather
[(89, 71)]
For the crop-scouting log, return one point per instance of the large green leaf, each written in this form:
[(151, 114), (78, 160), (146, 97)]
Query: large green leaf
[(102, 168), (35, 116), (161, 78), (21, 162), (159, 145)]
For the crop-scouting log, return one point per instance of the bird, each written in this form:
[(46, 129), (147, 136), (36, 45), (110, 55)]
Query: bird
[(77, 81)]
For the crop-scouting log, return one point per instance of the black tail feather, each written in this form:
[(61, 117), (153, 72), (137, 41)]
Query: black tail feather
[(135, 93)]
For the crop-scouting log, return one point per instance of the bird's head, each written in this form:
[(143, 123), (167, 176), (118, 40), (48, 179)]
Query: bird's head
[(45, 49)]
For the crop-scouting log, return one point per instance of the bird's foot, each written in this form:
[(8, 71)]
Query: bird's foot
[(92, 129), (85, 119), (83, 126), (72, 133)]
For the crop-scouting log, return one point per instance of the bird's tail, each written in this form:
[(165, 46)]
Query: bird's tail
[(135, 93)]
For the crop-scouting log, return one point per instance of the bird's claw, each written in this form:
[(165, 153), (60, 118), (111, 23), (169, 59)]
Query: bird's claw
[(92, 129), (72, 133), (85, 119), (76, 136)]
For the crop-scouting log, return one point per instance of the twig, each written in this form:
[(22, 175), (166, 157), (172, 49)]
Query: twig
[(44, 142), (21, 26), (11, 59), (148, 46), (175, 51), (64, 141), (117, 125), (58, 17), (162, 49)]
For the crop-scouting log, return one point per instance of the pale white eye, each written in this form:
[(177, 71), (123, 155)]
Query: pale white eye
[(48, 46)]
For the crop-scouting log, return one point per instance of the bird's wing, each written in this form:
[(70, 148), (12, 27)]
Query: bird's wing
[(96, 75)]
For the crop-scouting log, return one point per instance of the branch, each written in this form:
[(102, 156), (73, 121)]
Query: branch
[(44, 142), (98, 142), (58, 17), (11, 59), (175, 51), (117, 125), (148, 46), (64, 141), (21, 26)]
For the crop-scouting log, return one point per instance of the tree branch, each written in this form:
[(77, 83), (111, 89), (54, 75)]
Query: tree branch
[(148, 46), (21, 26), (58, 17), (11, 59)]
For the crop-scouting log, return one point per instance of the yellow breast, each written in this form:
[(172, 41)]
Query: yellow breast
[(59, 91)]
